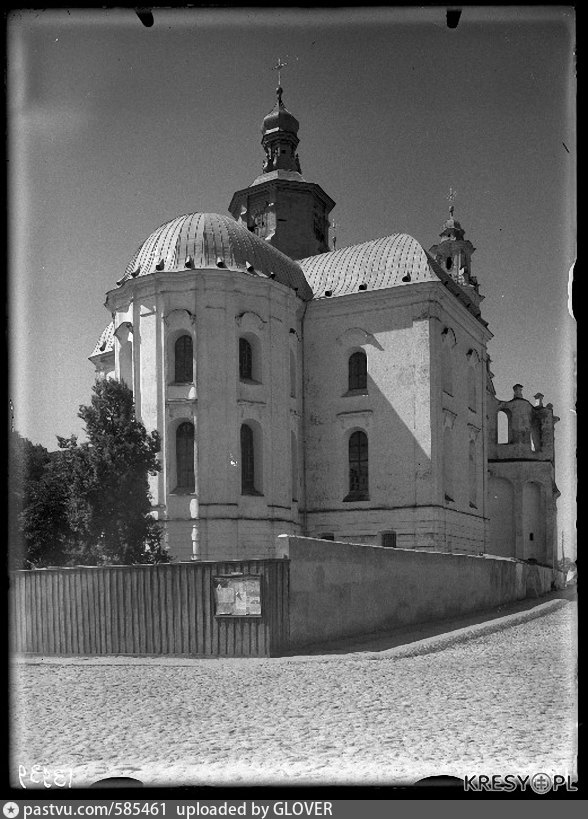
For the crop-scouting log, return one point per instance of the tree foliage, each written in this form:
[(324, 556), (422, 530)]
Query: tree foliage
[(26, 464), (91, 505)]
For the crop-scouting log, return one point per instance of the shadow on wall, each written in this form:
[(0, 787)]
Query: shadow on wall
[(368, 444)]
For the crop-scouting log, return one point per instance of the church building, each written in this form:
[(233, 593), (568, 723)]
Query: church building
[(343, 393)]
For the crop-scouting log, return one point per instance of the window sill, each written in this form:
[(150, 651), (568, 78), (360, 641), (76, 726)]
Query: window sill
[(355, 392), (252, 493), (250, 381), (179, 490), (356, 496), (181, 384)]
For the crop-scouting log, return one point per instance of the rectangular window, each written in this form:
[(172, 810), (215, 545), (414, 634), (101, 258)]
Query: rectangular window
[(389, 540), (358, 467)]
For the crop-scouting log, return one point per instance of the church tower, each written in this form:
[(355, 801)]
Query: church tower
[(454, 255), (280, 206)]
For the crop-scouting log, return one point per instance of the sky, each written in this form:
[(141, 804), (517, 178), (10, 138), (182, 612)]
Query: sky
[(114, 128)]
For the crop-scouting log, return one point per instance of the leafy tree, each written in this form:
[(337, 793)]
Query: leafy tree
[(26, 464), (92, 505)]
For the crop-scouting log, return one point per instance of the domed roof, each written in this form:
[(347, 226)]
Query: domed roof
[(204, 241), (105, 343), (392, 261), (279, 118)]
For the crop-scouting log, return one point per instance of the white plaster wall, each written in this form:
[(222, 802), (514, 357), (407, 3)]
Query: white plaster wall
[(403, 415), (394, 413), (216, 521), (520, 474)]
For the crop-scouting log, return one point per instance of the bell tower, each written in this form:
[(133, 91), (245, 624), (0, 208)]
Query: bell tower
[(454, 255), (280, 206)]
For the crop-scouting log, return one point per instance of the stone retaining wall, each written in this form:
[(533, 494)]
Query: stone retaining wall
[(343, 589)]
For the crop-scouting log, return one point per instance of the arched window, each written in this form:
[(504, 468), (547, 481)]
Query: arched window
[(245, 360), (183, 360), (535, 435), (472, 391), (358, 466), (503, 427), (473, 477), (446, 369), (185, 456), (448, 342), (250, 462), (358, 371)]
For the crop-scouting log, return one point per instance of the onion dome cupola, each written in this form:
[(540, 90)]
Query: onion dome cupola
[(454, 256), (280, 206), (280, 138)]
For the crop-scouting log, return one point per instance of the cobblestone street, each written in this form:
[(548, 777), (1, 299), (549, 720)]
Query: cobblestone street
[(500, 703)]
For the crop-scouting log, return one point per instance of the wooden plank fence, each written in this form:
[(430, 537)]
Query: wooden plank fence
[(146, 610)]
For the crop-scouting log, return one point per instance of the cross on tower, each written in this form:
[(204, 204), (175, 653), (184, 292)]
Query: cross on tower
[(451, 198), (278, 67)]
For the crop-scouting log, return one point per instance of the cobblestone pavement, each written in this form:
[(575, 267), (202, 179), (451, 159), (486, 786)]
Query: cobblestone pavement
[(500, 703)]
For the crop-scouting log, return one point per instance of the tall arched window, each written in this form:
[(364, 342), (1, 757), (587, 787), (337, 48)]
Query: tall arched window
[(358, 466), (446, 369), (473, 476), (245, 360), (503, 427), (448, 341), (358, 371), (185, 456), (248, 474), (472, 391), (183, 360)]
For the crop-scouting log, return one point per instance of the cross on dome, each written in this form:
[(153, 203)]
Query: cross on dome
[(278, 67)]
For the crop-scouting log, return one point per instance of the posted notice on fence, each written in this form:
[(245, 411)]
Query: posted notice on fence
[(237, 595)]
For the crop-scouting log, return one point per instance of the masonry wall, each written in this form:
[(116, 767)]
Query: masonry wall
[(344, 589)]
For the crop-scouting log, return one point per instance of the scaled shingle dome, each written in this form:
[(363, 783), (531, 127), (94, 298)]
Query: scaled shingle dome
[(105, 343), (392, 261), (205, 241)]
